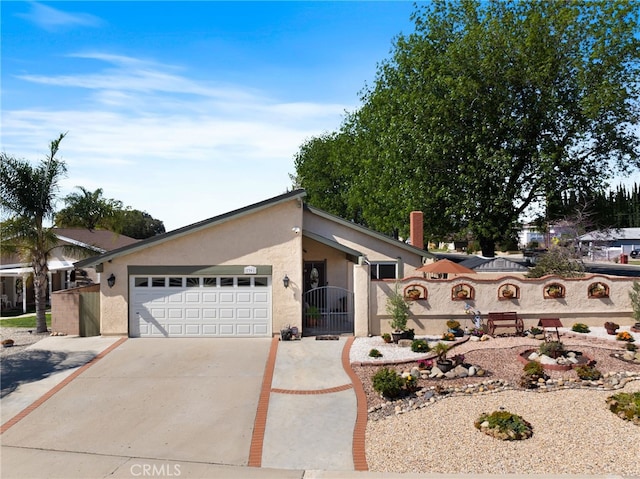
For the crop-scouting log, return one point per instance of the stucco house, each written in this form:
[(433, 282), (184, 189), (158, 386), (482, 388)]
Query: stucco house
[(15, 273), (250, 272)]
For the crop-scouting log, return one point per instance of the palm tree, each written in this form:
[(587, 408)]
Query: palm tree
[(88, 209), (28, 194)]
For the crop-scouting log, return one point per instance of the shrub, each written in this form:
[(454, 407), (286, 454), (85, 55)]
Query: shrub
[(552, 348), (588, 372), (535, 331), (374, 353), (625, 336), (419, 346), (626, 406), (533, 371), (533, 368), (580, 328), (411, 383), (631, 347), (386, 337), (388, 383), (453, 324), (504, 425), (410, 333)]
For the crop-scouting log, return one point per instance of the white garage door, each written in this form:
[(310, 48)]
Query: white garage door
[(202, 306)]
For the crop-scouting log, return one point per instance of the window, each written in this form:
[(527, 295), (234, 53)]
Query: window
[(226, 281), (175, 282), (142, 282), (260, 282), (384, 270), (210, 282), (244, 281), (193, 282), (157, 282)]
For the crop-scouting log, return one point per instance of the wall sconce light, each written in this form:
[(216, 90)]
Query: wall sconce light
[(285, 281), (111, 280), (296, 230)]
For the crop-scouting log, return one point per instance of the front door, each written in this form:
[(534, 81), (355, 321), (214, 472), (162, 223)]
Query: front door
[(314, 274)]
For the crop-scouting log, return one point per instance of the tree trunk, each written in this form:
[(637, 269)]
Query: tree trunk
[(488, 247), (40, 284)]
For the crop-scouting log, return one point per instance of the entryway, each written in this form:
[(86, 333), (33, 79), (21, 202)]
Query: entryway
[(327, 310)]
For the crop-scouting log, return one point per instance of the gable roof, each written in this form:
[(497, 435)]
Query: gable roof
[(171, 235), (497, 264), (369, 232), (98, 240)]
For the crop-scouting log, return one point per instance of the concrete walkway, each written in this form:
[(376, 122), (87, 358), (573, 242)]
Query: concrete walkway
[(311, 419)]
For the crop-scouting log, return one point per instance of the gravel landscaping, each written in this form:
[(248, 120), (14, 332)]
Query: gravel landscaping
[(433, 431)]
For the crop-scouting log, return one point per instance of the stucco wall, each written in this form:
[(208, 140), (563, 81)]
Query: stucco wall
[(260, 238), (65, 309), (428, 316)]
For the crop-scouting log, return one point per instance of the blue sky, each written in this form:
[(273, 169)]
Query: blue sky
[(185, 110)]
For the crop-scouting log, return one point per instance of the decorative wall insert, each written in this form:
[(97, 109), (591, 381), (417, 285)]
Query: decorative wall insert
[(414, 292), (508, 291), (554, 291), (462, 292), (598, 290)]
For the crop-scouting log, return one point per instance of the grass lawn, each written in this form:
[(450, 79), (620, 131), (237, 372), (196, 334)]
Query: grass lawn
[(23, 322)]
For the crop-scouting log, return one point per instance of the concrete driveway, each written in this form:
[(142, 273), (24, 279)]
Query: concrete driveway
[(173, 400)]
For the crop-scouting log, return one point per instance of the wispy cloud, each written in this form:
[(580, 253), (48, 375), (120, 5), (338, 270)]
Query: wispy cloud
[(51, 19), (155, 139)]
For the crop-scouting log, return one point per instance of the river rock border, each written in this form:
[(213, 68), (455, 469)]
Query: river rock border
[(429, 395)]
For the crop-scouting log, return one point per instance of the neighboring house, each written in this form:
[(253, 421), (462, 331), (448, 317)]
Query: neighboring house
[(494, 265), (15, 273), (251, 272), (624, 240)]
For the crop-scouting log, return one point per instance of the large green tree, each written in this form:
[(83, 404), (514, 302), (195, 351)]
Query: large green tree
[(28, 194), (486, 110), (89, 209)]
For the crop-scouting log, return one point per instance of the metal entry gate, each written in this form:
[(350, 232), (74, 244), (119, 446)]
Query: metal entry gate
[(327, 310)]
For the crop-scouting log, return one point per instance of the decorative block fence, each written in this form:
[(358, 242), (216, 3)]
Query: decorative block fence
[(592, 299)]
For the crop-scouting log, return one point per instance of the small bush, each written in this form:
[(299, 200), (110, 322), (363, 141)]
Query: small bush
[(535, 331), (533, 368), (504, 425), (533, 371), (425, 364), (374, 353), (420, 346), (626, 406), (580, 328), (625, 336), (552, 348), (453, 324), (388, 383), (588, 372), (386, 337), (631, 347)]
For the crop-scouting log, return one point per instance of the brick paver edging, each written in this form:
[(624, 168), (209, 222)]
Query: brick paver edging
[(38, 402), (360, 429), (260, 422)]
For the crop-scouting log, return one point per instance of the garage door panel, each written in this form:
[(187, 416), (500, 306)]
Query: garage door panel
[(260, 313), (210, 297), (209, 313), (213, 311), (175, 329), (244, 330), (260, 298), (191, 297), (210, 330), (244, 297)]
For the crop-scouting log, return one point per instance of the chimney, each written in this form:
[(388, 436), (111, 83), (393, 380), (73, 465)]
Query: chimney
[(416, 229)]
